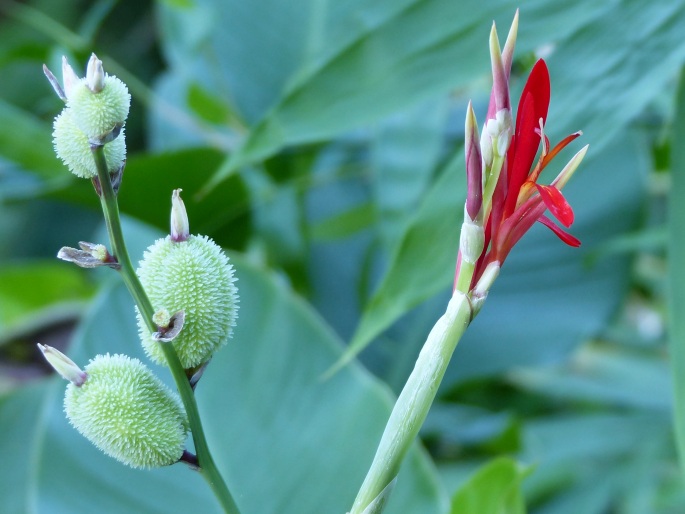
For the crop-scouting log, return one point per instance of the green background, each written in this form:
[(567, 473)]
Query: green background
[(320, 143)]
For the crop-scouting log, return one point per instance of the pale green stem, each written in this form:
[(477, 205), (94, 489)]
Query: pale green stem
[(466, 270), (110, 209), (491, 182), (412, 406)]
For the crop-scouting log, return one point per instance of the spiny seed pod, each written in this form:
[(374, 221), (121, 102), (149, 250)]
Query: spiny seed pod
[(127, 412), (72, 146), (100, 102), (192, 275)]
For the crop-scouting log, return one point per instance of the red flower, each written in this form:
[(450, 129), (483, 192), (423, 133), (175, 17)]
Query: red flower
[(518, 201)]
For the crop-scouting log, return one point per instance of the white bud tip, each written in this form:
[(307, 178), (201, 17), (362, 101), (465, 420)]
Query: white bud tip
[(95, 74), (63, 365), (180, 228)]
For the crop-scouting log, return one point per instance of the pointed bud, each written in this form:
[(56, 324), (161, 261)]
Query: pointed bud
[(508, 50), (570, 168), (487, 278), (95, 74), (54, 83), (69, 77), (180, 227), (471, 239), (474, 165), (63, 365), (499, 98)]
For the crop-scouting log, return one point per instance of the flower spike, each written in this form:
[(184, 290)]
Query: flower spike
[(511, 199)]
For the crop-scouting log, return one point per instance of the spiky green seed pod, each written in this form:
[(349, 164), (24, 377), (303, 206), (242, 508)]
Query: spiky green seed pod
[(97, 114), (72, 147), (127, 412), (194, 276)]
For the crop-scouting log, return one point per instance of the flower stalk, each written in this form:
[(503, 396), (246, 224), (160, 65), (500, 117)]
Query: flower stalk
[(412, 406), (503, 202), (110, 208)]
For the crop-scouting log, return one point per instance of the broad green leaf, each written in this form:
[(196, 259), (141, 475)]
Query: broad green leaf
[(676, 271), (20, 419), (606, 74), (596, 457), (34, 294), (336, 66), (415, 273), (405, 151), (494, 489), (285, 441)]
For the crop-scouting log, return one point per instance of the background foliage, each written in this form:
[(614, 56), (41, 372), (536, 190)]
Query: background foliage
[(320, 142)]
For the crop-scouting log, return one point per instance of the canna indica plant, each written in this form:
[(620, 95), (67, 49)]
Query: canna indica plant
[(185, 298)]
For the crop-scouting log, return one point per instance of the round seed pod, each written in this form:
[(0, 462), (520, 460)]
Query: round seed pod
[(72, 147), (97, 114), (127, 412), (194, 276)]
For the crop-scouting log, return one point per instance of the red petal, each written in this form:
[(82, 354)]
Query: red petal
[(556, 203), (539, 88), (559, 147), (561, 234), (522, 151), (533, 105)]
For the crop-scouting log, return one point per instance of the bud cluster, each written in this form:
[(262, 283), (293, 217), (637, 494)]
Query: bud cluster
[(95, 113), (117, 402)]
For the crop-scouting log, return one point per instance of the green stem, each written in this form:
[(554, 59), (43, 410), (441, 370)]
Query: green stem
[(110, 209), (412, 406)]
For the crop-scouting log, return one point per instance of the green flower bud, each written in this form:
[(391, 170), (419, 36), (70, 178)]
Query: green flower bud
[(127, 412), (72, 146), (97, 114), (193, 276)]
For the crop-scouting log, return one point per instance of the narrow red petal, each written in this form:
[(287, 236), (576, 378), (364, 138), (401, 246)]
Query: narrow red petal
[(559, 147), (533, 105), (522, 152), (557, 204), (561, 234)]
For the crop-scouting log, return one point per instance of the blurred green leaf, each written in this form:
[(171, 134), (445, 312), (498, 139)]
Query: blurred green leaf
[(272, 424), (405, 151), (676, 271), (26, 141), (603, 377), (344, 224), (494, 489), (20, 419), (207, 106), (335, 66), (37, 293), (149, 180)]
